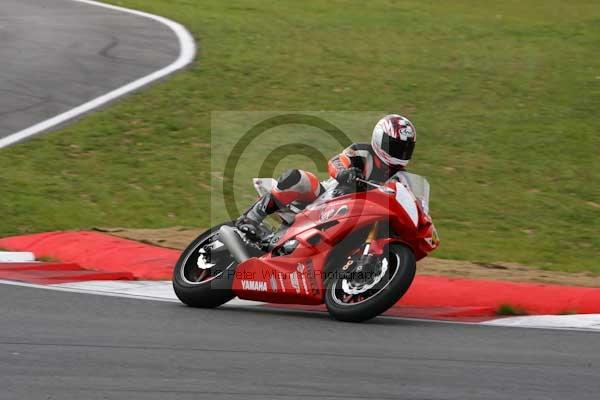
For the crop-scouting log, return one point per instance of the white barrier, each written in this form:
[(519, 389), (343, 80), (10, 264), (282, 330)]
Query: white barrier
[(10, 256)]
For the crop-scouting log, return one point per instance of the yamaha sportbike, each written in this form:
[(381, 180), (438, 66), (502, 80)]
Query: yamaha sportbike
[(354, 250)]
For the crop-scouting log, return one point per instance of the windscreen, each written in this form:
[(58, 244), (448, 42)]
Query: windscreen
[(418, 185)]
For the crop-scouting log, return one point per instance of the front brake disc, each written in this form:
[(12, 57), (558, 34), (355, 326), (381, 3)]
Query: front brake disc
[(352, 288)]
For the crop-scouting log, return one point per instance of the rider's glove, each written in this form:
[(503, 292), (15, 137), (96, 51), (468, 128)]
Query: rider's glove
[(349, 176), (248, 227)]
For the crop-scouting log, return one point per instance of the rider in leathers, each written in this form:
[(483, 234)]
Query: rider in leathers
[(390, 150)]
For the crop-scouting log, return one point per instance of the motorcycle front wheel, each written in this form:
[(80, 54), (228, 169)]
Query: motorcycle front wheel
[(350, 303), (203, 275)]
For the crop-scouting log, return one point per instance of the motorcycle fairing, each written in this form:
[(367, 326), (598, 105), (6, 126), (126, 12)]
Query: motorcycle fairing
[(286, 280), (299, 277)]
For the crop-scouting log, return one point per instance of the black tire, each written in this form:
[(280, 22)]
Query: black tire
[(209, 294), (382, 300)]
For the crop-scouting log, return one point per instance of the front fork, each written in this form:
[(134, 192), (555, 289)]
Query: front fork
[(371, 250), (370, 238)]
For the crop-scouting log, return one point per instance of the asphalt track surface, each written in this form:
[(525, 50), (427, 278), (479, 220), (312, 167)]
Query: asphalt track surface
[(58, 54), (57, 345)]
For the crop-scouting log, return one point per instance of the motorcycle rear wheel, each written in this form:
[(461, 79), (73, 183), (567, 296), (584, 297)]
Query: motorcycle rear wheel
[(402, 267), (204, 288)]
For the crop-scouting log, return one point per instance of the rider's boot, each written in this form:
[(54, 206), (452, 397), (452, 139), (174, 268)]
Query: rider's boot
[(250, 222)]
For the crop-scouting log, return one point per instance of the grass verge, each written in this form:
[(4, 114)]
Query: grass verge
[(505, 97), (507, 309)]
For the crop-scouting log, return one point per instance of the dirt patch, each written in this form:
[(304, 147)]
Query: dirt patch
[(505, 272), (180, 237), (176, 237)]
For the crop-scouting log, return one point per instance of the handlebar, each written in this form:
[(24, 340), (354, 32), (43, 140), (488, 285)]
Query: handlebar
[(383, 188)]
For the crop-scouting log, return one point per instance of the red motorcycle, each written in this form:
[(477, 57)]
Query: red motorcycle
[(354, 250)]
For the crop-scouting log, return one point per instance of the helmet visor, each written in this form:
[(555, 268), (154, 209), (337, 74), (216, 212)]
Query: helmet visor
[(401, 149)]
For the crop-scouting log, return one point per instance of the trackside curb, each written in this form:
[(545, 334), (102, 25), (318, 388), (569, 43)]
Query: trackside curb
[(100, 252), (437, 296)]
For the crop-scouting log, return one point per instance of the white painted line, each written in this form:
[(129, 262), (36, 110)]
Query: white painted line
[(162, 290), (589, 322), (187, 51), (16, 256), (149, 290), (86, 291), (143, 290)]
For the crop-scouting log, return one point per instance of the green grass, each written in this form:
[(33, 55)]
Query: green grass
[(507, 309), (505, 97), (568, 312), (46, 259)]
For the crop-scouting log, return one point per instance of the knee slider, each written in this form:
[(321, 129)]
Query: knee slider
[(288, 179)]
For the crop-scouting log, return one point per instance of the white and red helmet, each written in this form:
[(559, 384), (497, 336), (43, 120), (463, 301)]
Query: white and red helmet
[(394, 139)]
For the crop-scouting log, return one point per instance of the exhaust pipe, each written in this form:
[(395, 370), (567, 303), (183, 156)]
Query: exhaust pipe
[(230, 238)]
